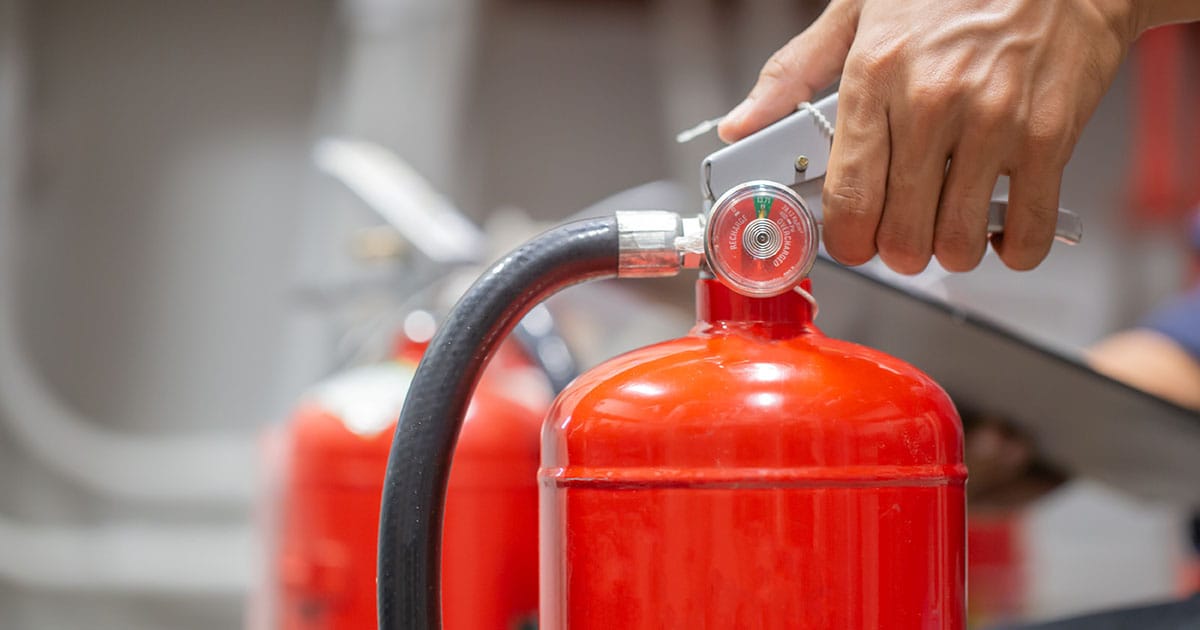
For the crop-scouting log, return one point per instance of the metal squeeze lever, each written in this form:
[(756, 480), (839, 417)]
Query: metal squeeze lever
[(760, 231), (795, 152)]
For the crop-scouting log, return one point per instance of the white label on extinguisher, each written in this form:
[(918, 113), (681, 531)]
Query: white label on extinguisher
[(367, 399)]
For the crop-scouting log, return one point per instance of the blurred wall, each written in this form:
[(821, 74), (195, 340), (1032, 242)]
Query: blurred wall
[(163, 151), (165, 144)]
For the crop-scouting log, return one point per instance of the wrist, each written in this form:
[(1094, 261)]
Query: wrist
[(1149, 14), (1141, 19)]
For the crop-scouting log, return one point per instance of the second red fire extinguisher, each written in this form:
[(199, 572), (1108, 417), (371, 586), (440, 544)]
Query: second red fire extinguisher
[(331, 458)]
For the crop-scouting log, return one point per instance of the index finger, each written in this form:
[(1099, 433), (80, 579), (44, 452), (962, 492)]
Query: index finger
[(809, 62), (856, 182)]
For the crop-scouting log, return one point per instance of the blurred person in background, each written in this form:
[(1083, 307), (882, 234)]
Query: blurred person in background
[(1161, 357)]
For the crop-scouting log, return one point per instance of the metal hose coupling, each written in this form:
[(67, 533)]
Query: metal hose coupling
[(657, 243)]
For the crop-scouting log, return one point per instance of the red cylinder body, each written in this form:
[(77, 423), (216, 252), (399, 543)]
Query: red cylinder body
[(753, 474), (328, 515)]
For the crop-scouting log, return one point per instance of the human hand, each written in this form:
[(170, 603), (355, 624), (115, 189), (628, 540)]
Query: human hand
[(937, 99), (1150, 361)]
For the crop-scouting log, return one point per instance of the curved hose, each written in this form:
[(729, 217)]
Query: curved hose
[(414, 491)]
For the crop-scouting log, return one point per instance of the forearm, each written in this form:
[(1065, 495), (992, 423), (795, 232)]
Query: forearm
[(1161, 12)]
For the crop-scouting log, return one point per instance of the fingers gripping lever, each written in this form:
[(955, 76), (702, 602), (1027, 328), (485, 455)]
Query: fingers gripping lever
[(795, 152)]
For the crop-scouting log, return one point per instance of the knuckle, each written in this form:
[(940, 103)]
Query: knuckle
[(849, 201), (1049, 137), (850, 222), (958, 262), (850, 253), (1023, 249), (953, 238), (901, 249), (849, 246), (1027, 243), (995, 113), (1042, 214), (775, 70), (899, 242), (1042, 136), (862, 66), (876, 64), (958, 249), (927, 96), (1018, 261)]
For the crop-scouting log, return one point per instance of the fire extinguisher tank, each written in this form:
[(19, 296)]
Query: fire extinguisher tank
[(752, 474)]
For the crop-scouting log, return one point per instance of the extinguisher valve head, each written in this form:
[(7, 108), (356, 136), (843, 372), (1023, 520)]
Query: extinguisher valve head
[(762, 239)]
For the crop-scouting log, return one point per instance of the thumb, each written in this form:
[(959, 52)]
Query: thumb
[(808, 63)]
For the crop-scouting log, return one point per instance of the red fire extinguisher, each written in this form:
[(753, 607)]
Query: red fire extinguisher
[(335, 451), (752, 474)]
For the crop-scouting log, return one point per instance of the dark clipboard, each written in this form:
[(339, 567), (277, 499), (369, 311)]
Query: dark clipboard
[(1081, 420)]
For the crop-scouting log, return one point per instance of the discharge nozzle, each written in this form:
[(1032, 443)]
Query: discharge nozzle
[(759, 240)]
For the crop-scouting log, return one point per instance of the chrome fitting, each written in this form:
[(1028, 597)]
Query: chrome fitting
[(647, 243), (690, 244)]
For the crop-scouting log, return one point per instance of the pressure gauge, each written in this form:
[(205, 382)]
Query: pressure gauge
[(761, 239)]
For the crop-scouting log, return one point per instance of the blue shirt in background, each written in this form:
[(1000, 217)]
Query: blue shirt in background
[(1179, 319)]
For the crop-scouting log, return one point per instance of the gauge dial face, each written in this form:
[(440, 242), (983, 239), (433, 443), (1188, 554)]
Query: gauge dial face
[(761, 239)]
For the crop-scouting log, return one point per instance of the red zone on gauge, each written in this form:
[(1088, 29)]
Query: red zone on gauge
[(761, 241)]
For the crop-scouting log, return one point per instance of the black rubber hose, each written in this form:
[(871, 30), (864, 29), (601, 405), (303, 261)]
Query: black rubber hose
[(414, 490)]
